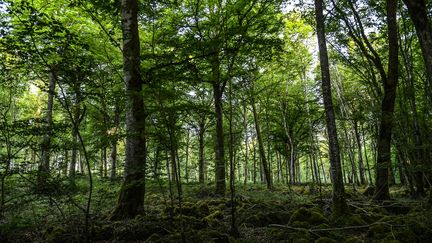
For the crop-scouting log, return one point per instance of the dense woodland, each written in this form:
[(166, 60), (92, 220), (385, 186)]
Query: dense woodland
[(215, 120)]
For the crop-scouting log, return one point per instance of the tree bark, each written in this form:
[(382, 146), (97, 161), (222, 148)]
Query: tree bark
[(201, 151), (131, 198), (113, 156), (387, 106), (339, 202), (261, 150), (417, 10), (359, 154), (219, 149), (44, 167)]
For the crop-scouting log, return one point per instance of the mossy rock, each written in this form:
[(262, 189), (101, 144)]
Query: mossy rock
[(211, 235), (198, 210), (255, 220), (313, 216), (214, 218), (278, 217), (350, 220), (192, 222), (325, 240), (300, 224), (353, 239), (263, 218), (379, 231), (302, 236)]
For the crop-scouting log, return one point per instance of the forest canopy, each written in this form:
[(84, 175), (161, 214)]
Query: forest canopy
[(215, 120)]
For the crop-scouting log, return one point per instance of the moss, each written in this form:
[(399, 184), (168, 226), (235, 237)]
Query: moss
[(302, 236), (312, 216), (300, 224), (379, 231), (350, 220), (214, 218), (54, 233), (210, 235), (263, 218), (325, 240), (405, 235), (353, 239)]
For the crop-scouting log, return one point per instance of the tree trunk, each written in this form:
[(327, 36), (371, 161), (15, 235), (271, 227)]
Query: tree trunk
[(417, 10), (339, 202), (113, 155), (359, 154), (201, 151), (219, 149), (387, 106), (44, 167), (261, 150), (245, 127), (113, 158), (131, 199)]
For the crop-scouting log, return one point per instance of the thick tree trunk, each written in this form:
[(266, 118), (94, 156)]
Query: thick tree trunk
[(339, 202), (387, 106), (261, 150), (131, 199), (44, 166)]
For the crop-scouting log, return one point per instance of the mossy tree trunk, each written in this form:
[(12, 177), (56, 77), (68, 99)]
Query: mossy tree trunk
[(131, 199)]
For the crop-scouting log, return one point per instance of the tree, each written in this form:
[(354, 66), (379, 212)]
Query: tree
[(131, 198), (44, 166), (387, 106), (339, 203), (417, 10)]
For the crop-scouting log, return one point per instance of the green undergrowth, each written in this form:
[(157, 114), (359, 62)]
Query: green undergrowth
[(301, 213)]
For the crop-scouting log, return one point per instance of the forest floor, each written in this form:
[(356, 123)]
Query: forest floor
[(297, 214)]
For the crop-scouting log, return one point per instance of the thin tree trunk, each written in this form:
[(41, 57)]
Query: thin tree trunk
[(245, 169), (339, 203), (254, 163), (261, 150), (201, 151), (366, 156), (187, 156), (359, 154), (113, 158)]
